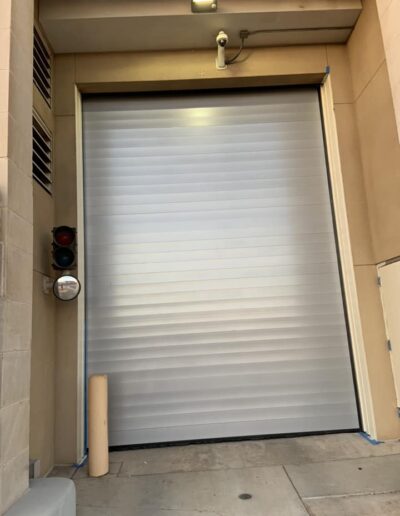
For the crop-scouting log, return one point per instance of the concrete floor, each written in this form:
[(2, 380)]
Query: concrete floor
[(329, 475)]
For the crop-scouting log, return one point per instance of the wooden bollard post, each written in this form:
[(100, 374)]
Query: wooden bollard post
[(98, 425)]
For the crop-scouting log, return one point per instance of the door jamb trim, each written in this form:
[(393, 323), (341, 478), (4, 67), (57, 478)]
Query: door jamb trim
[(343, 237)]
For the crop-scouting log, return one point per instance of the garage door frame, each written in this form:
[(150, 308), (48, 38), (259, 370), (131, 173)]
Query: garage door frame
[(343, 239)]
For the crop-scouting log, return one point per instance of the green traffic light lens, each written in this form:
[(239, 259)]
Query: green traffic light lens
[(64, 257)]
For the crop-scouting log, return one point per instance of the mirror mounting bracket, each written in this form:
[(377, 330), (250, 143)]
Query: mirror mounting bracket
[(47, 285)]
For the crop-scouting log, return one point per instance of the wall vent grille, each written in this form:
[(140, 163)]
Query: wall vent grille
[(42, 153), (41, 67)]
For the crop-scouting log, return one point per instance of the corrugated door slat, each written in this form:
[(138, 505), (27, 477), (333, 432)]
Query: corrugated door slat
[(213, 293)]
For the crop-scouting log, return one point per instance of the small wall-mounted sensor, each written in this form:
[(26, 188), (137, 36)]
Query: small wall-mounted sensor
[(34, 468), (204, 6)]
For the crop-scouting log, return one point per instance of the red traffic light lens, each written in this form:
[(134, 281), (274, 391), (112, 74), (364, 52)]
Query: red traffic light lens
[(64, 235)]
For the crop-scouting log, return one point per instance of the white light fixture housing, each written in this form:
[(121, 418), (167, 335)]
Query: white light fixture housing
[(222, 41), (204, 6)]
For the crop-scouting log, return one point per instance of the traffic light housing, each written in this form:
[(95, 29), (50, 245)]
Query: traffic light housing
[(64, 248)]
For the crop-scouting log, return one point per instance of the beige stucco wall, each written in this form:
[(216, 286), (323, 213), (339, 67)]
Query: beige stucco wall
[(196, 69), (380, 163), (16, 33), (379, 143), (389, 15), (41, 428)]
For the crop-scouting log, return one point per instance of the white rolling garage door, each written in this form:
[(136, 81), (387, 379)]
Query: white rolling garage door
[(213, 293)]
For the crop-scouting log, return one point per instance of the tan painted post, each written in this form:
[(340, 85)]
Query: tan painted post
[(98, 425)]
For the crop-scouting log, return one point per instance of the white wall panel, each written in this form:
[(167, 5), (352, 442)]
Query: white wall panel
[(213, 292)]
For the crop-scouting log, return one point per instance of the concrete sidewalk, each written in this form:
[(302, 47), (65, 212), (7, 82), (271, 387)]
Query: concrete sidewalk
[(320, 475)]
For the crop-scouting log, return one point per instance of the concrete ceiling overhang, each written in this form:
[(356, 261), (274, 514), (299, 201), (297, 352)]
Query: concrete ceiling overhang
[(150, 25)]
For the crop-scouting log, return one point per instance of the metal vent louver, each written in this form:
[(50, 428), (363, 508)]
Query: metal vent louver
[(42, 156), (41, 67)]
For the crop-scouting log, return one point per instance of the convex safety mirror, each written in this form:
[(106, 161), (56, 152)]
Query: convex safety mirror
[(66, 288)]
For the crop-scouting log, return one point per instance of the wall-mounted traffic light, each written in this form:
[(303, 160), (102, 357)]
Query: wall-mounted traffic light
[(64, 248)]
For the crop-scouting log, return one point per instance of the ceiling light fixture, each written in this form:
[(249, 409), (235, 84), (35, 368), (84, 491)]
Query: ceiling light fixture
[(204, 6)]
